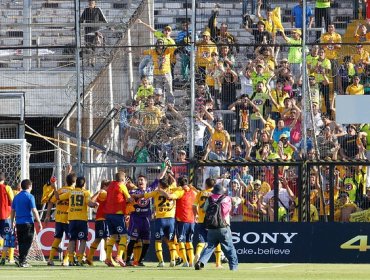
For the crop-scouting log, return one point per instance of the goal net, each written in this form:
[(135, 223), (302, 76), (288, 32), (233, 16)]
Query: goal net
[(14, 160)]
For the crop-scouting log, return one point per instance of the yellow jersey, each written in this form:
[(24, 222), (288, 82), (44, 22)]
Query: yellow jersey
[(203, 53), (331, 50), (61, 206), (219, 137), (200, 199), (355, 90), (78, 204), (163, 207), (161, 62)]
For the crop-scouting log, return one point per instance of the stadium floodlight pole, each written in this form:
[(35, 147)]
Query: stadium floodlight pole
[(78, 87), (304, 80), (192, 80), (27, 34)]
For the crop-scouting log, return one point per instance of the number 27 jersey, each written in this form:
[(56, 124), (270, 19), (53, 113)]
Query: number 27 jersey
[(164, 208)]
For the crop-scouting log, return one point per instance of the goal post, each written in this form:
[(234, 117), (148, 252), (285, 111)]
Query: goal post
[(14, 160)]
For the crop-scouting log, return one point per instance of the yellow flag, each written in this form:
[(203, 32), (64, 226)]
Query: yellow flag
[(276, 18)]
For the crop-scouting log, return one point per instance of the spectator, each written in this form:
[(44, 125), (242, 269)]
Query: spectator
[(168, 41), (261, 36), (228, 89), (183, 49), (348, 143), (144, 91), (361, 59), (361, 34), (355, 88), (314, 90), (180, 170), (220, 139), (345, 74), (283, 195), (252, 207), (242, 108), (260, 76), (296, 18), (327, 143), (322, 11), (333, 41), (146, 68), (294, 52), (214, 74), (345, 208), (246, 82), (284, 148), (92, 14), (162, 78), (221, 235), (321, 70), (278, 96), (245, 13), (311, 57), (205, 48), (269, 23), (151, 115), (22, 217), (281, 129)]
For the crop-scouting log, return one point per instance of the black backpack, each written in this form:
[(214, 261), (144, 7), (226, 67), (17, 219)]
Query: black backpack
[(213, 218)]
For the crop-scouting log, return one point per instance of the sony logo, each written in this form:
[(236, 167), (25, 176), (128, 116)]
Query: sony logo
[(263, 237)]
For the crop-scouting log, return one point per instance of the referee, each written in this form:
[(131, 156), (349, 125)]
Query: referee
[(24, 211)]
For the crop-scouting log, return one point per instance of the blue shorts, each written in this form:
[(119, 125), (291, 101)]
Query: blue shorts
[(4, 227), (184, 231), (78, 230), (61, 228), (116, 223), (165, 227), (202, 233), (101, 229), (139, 228)]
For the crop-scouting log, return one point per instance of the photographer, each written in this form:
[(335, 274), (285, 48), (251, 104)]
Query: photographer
[(242, 107)]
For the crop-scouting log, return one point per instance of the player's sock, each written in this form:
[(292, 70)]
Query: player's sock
[(218, 255), (65, 257), (3, 254), (110, 244), (137, 250), (190, 252), (121, 252), (130, 249), (158, 250), (11, 254), (79, 257), (93, 248), (144, 251), (71, 257), (182, 252), (172, 248), (199, 249), (54, 248)]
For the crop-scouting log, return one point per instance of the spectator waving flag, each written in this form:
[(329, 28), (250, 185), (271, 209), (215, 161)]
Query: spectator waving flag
[(276, 18)]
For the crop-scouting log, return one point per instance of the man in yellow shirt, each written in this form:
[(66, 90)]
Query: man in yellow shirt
[(78, 199), (355, 88), (61, 217), (205, 48), (162, 78)]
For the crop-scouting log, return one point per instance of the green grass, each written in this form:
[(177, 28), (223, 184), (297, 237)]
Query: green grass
[(246, 271)]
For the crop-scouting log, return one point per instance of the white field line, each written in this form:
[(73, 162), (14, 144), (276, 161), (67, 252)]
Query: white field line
[(273, 266)]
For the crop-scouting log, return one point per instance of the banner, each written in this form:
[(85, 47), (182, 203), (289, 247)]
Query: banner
[(274, 242)]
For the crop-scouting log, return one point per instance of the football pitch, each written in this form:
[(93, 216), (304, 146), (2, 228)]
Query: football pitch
[(270, 271)]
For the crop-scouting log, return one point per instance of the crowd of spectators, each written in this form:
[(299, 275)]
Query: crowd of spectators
[(254, 111)]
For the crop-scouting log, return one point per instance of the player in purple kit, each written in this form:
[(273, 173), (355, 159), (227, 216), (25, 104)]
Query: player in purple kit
[(141, 213)]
